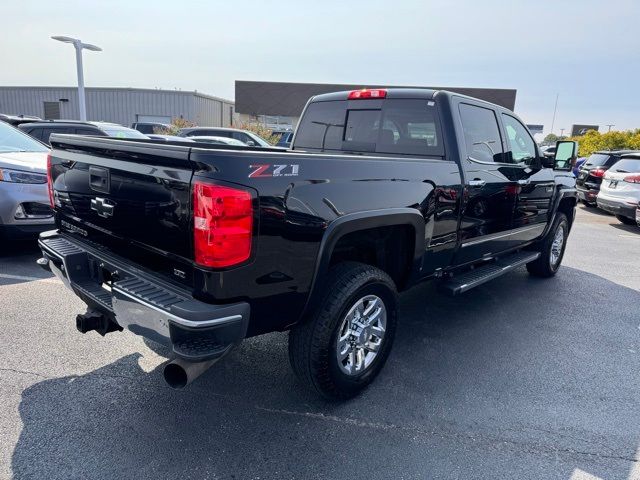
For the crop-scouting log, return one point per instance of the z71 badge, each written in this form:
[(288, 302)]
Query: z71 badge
[(266, 170)]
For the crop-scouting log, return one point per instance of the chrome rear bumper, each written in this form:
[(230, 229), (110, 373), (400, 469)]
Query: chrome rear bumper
[(142, 303)]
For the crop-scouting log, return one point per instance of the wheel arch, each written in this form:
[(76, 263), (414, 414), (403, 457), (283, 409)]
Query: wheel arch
[(362, 222)]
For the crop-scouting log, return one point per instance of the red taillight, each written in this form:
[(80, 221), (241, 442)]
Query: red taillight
[(50, 181), (367, 94), (632, 179), (222, 225), (597, 172)]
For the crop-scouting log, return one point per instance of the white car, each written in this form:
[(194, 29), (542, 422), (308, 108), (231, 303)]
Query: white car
[(620, 190), (24, 197)]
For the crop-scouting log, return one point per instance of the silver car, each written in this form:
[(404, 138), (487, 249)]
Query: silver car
[(620, 190), (24, 195)]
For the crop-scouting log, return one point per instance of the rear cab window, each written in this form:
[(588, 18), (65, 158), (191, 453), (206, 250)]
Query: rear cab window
[(392, 126)]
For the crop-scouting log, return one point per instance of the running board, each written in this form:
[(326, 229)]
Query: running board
[(479, 275)]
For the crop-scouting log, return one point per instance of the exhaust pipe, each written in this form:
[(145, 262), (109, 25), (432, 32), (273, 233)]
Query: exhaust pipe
[(179, 373)]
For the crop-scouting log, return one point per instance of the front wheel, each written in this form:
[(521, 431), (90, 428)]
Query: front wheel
[(342, 346), (626, 220), (551, 249)]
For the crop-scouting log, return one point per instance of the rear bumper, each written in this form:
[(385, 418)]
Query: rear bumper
[(617, 207), (143, 303), (587, 194)]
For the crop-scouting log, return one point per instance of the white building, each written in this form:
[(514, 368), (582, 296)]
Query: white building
[(118, 105)]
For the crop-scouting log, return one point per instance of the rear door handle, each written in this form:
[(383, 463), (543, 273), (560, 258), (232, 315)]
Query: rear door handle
[(477, 183)]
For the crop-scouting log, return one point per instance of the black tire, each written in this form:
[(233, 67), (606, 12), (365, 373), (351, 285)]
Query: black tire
[(589, 204), (312, 343), (544, 266), (626, 220)]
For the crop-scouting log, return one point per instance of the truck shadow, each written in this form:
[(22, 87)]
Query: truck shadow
[(521, 378)]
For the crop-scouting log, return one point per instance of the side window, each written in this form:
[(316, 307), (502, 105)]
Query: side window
[(243, 137), (36, 133), (481, 133), (521, 145)]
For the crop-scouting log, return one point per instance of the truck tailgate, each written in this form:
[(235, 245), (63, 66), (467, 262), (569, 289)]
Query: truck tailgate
[(124, 194)]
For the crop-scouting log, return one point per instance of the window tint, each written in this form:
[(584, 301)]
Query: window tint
[(46, 135), (361, 130), (321, 126), (145, 127), (627, 165), (522, 148), (597, 159), (402, 126), (243, 137), (481, 133), (36, 133)]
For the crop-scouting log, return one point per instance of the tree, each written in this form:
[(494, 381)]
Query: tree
[(551, 138)]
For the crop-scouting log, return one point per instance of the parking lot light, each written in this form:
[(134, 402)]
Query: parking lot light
[(79, 46)]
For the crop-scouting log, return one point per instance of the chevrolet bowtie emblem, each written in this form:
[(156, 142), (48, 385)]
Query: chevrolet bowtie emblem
[(103, 207)]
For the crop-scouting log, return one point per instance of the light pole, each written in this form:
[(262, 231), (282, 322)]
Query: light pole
[(78, 45), (610, 125), (561, 132)]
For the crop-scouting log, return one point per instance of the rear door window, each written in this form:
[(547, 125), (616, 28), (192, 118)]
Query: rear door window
[(400, 126), (481, 133)]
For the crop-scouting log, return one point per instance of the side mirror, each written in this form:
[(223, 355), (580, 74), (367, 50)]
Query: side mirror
[(251, 143), (566, 154)]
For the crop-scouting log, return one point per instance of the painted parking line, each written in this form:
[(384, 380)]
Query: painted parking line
[(29, 279)]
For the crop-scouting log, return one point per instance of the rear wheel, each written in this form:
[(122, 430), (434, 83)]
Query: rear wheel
[(551, 249), (345, 342), (626, 220)]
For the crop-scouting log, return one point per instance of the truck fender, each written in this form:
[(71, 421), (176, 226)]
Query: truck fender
[(561, 194), (354, 222)]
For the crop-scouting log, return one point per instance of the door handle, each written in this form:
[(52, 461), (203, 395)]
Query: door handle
[(477, 183), (525, 181)]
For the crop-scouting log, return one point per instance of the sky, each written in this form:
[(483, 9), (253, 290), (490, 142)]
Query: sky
[(585, 51)]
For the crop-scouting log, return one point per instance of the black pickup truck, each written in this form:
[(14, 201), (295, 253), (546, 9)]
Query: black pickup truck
[(200, 246)]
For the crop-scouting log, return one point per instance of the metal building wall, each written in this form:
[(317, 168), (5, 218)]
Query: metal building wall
[(30, 100), (119, 105), (211, 111)]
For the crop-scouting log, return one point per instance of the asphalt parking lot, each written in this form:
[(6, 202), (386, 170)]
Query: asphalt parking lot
[(519, 379)]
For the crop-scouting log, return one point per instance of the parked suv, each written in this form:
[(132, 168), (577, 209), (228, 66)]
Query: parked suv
[(245, 136), (43, 130), (592, 171), (620, 189)]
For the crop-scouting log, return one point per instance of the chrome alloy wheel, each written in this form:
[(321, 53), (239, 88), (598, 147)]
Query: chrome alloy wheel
[(556, 247), (361, 335)]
